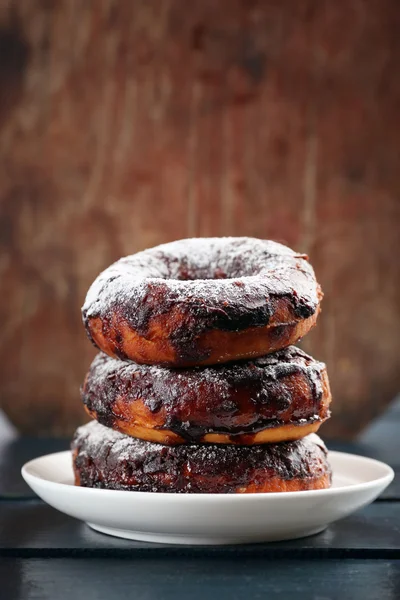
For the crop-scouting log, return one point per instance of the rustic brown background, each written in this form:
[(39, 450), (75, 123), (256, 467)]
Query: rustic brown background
[(128, 123)]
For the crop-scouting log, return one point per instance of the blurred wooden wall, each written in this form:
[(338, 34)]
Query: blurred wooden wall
[(126, 123)]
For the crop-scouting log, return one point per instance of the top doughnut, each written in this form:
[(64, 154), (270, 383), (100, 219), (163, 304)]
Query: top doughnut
[(202, 301)]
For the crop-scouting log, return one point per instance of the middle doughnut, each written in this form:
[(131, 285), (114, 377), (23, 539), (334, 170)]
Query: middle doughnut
[(282, 396)]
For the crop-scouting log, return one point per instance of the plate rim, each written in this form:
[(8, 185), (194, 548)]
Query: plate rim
[(384, 480)]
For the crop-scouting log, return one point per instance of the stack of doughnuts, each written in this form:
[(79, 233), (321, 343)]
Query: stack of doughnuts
[(197, 387)]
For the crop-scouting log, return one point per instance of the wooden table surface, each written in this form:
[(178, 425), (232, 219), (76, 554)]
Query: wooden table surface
[(47, 555)]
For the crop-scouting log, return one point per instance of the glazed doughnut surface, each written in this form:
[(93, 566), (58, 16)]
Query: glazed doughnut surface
[(104, 458), (278, 397), (202, 301)]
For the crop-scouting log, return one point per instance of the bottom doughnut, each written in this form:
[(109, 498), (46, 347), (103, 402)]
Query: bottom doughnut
[(104, 458)]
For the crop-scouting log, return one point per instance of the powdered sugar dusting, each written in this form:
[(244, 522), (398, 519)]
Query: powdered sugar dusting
[(207, 273), (224, 378), (108, 459), (96, 436), (236, 398)]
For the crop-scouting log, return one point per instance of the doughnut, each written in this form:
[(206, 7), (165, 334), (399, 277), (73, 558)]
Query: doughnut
[(282, 396), (103, 458), (202, 301)]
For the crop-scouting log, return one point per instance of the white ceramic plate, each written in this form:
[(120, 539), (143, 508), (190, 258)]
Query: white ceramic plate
[(210, 518)]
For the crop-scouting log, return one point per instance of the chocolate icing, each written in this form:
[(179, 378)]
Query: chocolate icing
[(108, 459), (228, 284), (236, 398)]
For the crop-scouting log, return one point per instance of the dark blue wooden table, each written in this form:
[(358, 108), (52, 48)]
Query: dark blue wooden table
[(47, 555)]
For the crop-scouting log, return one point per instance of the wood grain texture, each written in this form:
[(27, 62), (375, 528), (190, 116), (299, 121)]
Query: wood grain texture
[(191, 577), (32, 529), (127, 124)]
